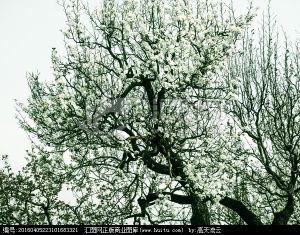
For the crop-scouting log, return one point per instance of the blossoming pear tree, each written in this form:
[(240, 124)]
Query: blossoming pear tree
[(136, 103)]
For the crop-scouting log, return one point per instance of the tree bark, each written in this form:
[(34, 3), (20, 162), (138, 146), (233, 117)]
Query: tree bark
[(200, 212), (282, 217), (248, 216)]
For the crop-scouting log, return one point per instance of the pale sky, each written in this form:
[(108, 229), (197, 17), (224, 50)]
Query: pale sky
[(30, 28)]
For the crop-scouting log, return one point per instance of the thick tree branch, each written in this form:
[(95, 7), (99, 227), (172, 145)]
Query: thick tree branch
[(150, 93), (159, 102), (134, 145), (248, 216), (180, 199), (153, 165)]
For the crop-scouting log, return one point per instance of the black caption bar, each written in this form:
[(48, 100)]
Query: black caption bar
[(176, 229)]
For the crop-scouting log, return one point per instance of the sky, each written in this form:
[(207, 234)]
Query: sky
[(30, 28)]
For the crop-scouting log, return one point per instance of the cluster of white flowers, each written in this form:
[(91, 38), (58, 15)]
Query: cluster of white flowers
[(170, 50)]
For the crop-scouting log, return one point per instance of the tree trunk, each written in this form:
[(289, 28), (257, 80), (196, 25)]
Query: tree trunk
[(282, 217), (200, 213)]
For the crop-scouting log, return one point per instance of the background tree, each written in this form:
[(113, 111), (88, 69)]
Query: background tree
[(136, 103), (31, 195), (266, 115)]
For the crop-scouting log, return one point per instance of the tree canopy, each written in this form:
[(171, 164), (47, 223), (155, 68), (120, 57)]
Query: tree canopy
[(170, 112)]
